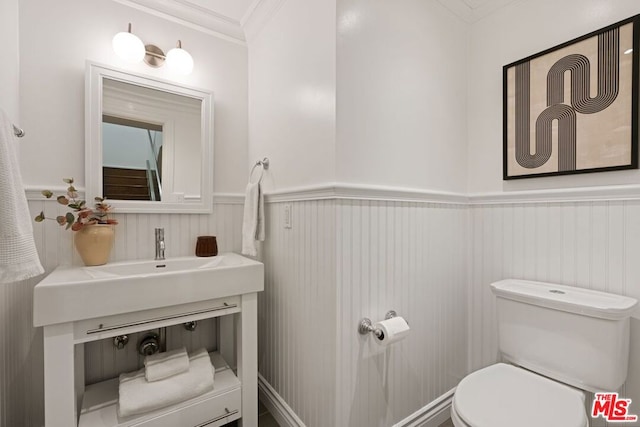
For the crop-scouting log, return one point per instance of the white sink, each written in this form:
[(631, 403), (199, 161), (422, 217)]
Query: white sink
[(77, 293), (145, 268)]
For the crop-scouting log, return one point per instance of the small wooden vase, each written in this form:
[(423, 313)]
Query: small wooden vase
[(206, 246), (94, 243)]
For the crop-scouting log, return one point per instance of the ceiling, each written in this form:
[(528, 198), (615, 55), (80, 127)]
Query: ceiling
[(473, 10), (230, 18)]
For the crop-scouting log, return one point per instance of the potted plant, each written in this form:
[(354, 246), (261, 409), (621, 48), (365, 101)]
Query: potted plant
[(94, 229)]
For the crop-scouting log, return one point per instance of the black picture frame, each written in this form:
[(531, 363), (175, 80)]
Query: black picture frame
[(517, 103)]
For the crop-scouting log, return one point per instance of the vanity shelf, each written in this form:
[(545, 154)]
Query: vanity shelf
[(213, 409), (77, 305)]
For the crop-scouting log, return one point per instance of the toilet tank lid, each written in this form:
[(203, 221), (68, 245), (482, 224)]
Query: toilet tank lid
[(566, 298)]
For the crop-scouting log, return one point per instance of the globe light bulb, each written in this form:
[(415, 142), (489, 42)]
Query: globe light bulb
[(128, 46), (179, 60)]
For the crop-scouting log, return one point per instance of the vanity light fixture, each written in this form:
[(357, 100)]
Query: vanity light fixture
[(129, 47)]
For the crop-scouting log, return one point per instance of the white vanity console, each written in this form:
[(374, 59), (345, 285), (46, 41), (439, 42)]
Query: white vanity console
[(76, 305)]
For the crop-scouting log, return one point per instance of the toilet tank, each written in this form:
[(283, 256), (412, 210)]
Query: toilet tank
[(577, 336)]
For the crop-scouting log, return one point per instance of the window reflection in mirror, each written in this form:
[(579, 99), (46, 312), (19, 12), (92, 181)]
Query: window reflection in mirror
[(132, 159), (151, 144)]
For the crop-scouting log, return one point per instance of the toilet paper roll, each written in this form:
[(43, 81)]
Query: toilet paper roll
[(393, 330)]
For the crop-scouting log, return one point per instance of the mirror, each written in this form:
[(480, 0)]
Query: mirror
[(149, 145)]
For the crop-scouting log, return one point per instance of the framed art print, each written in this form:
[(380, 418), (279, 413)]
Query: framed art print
[(574, 108)]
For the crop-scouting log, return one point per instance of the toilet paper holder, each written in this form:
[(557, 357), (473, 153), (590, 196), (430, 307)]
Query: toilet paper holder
[(366, 326)]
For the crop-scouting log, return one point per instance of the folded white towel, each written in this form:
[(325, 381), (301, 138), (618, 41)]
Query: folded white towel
[(164, 365), (253, 220), (138, 396), (18, 256)]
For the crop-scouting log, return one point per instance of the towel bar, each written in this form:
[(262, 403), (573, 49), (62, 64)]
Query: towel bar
[(102, 328)]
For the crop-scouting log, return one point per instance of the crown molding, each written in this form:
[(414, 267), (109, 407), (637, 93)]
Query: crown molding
[(258, 15), (193, 16)]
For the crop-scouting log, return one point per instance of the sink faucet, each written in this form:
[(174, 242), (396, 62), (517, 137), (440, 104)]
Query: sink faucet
[(159, 243)]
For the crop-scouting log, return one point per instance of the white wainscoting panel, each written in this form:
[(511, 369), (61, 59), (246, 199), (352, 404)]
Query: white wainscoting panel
[(21, 358), (594, 245), (412, 258), (297, 310), (347, 259)]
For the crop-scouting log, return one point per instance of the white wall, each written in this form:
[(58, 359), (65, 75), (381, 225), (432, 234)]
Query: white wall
[(511, 33), (586, 244), (412, 258), (292, 94), (297, 310), (401, 95), (56, 39), (9, 72), (401, 121), (346, 259), (593, 245), (9, 102)]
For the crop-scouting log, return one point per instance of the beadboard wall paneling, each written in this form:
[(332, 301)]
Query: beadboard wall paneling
[(297, 310), (593, 245), (412, 258), (21, 361), (347, 259)]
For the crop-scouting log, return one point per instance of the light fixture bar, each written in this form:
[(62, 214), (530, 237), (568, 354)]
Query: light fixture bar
[(129, 47)]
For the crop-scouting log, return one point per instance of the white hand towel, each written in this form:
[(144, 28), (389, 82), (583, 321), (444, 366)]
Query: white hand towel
[(253, 220), (164, 365), (138, 396), (18, 256)]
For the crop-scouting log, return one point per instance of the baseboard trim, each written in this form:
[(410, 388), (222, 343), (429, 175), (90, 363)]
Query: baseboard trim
[(431, 415), (276, 405)]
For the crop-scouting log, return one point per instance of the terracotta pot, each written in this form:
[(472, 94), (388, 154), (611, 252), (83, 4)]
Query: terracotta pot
[(94, 243)]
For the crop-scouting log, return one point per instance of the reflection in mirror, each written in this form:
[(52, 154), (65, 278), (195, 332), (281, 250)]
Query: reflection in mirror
[(141, 129), (149, 143), (131, 159)]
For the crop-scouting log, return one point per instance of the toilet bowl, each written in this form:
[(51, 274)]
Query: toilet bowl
[(503, 395), (544, 333)]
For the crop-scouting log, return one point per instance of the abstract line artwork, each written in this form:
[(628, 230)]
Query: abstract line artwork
[(573, 108)]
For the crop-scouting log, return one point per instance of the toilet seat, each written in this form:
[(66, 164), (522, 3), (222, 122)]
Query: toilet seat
[(503, 395)]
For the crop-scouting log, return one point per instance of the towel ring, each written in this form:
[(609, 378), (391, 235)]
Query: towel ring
[(265, 166)]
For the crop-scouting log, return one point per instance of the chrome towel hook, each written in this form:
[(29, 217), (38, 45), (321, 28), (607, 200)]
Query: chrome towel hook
[(18, 132)]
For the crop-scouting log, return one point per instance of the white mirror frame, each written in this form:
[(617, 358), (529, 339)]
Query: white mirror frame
[(95, 73)]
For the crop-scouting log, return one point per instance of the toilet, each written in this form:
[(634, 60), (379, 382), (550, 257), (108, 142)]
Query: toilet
[(555, 342)]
